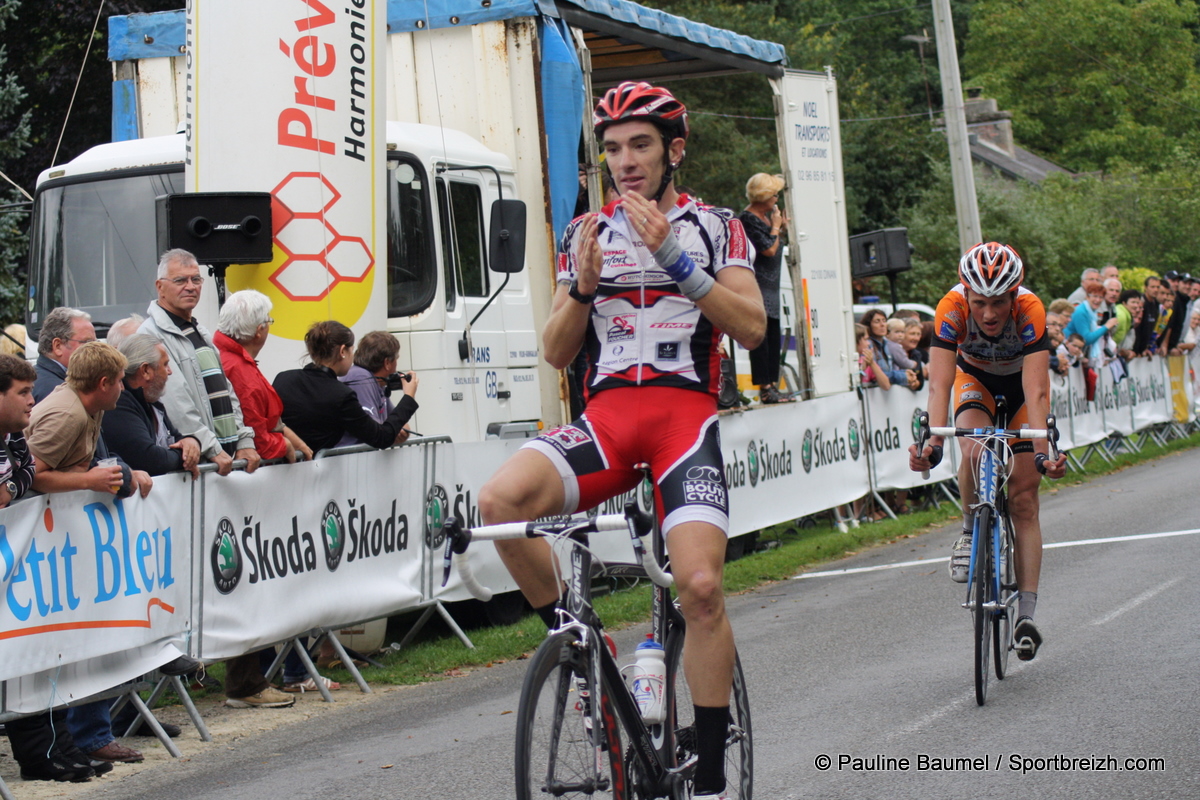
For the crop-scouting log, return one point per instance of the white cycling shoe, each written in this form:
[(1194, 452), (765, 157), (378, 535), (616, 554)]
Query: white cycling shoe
[(960, 559)]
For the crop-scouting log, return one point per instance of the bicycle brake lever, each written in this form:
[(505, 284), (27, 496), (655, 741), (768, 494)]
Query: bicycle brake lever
[(457, 540)]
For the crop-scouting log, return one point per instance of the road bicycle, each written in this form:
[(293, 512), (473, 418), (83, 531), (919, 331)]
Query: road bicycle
[(579, 730), (991, 579)]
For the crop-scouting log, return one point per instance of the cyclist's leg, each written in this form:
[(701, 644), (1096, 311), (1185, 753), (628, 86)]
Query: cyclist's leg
[(559, 472), (697, 563), (526, 487), (694, 502), (974, 407)]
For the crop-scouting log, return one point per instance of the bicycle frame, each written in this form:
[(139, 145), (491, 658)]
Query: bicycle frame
[(651, 745)]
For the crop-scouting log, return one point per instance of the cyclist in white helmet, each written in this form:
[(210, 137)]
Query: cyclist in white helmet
[(989, 339)]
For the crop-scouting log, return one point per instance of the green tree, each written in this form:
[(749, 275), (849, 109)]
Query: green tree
[(14, 210), (1092, 84)]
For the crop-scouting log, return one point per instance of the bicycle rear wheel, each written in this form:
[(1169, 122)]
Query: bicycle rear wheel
[(556, 751), (981, 591), (681, 735), (1003, 624)]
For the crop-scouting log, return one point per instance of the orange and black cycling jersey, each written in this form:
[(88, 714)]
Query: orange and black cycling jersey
[(1023, 333)]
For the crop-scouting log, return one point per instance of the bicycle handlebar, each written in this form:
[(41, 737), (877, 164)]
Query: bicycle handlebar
[(638, 524), (1050, 432)]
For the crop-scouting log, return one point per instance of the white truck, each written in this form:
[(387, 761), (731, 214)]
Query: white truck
[(470, 102)]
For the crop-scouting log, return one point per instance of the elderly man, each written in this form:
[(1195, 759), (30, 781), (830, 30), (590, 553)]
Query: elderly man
[(199, 401), (139, 427), (1079, 295), (63, 331), (122, 329)]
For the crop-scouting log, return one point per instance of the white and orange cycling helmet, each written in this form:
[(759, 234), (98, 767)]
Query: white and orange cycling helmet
[(991, 269)]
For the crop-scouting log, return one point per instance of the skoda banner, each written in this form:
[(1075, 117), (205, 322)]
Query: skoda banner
[(787, 461), (341, 544), (891, 429)]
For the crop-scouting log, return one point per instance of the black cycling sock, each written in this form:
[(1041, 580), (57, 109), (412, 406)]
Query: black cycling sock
[(548, 613), (1026, 604), (712, 729)]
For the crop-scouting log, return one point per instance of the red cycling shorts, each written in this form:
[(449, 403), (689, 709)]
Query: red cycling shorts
[(673, 430)]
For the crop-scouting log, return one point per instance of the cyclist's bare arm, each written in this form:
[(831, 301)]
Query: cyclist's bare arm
[(941, 380), (1035, 380), (735, 306), (567, 326)]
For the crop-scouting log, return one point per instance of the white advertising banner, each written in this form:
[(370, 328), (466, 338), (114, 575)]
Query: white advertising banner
[(1151, 392), (296, 546), (891, 428), (286, 98), (815, 201), (85, 574), (1087, 419), (1114, 395), (462, 470), (1060, 407), (786, 461)]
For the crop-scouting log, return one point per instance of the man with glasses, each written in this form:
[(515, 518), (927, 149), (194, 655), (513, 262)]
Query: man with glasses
[(198, 398)]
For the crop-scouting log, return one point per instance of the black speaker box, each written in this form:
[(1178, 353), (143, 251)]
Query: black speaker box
[(882, 252), (217, 227)]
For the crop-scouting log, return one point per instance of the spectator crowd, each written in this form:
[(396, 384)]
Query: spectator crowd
[(163, 394)]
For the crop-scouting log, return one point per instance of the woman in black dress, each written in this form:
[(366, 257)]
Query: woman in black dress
[(764, 223)]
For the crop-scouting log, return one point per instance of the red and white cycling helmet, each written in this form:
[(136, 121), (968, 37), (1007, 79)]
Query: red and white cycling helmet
[(991, 269), (636, 100)]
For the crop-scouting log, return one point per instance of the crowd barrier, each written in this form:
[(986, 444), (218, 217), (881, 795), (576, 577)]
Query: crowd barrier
[(98, 591)]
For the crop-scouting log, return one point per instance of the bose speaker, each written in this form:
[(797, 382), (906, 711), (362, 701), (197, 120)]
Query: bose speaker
[(882, 252), (217, 227)]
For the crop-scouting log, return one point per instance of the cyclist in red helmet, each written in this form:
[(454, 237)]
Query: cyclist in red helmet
[(989, 339), (646, 286)]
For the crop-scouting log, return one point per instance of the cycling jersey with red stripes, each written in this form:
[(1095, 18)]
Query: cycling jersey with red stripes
[(642, 330), (1023, 333)]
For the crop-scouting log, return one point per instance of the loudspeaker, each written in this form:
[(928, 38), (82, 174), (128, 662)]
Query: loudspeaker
[(217, 227), (882, 252)]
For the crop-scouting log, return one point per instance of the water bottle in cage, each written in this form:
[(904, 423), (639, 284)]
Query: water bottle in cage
[(646, 678)]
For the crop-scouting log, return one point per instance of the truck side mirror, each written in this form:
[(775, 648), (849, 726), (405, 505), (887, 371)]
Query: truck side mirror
[(506, 245)]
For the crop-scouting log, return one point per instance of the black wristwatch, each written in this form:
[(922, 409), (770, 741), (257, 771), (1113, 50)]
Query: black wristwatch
[(586, 299)]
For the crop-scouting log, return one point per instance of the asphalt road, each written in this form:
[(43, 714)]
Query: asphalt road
[(871, 669)]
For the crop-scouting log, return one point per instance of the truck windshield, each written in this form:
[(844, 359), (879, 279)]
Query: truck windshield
[(93, 244), (411, 269)]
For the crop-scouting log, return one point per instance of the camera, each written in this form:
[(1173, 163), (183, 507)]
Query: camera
[(394, 382)]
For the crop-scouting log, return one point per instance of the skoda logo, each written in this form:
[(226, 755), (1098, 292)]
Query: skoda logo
[(333, 535), (916, 423), (226, 558), (437, 510), (806, 448), (852, 437), (752, 464)]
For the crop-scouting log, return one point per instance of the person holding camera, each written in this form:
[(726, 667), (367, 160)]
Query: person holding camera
[(322, 410), (1092, 321), (242, 330), (374, 378)]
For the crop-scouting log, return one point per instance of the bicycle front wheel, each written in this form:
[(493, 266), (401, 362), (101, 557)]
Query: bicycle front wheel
[(981, 591), (564, 747), (1003, 623), (680, 736)]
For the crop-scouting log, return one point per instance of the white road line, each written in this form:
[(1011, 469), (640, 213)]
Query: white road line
[(924, 722), (1137, 601), (1055, 545)]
